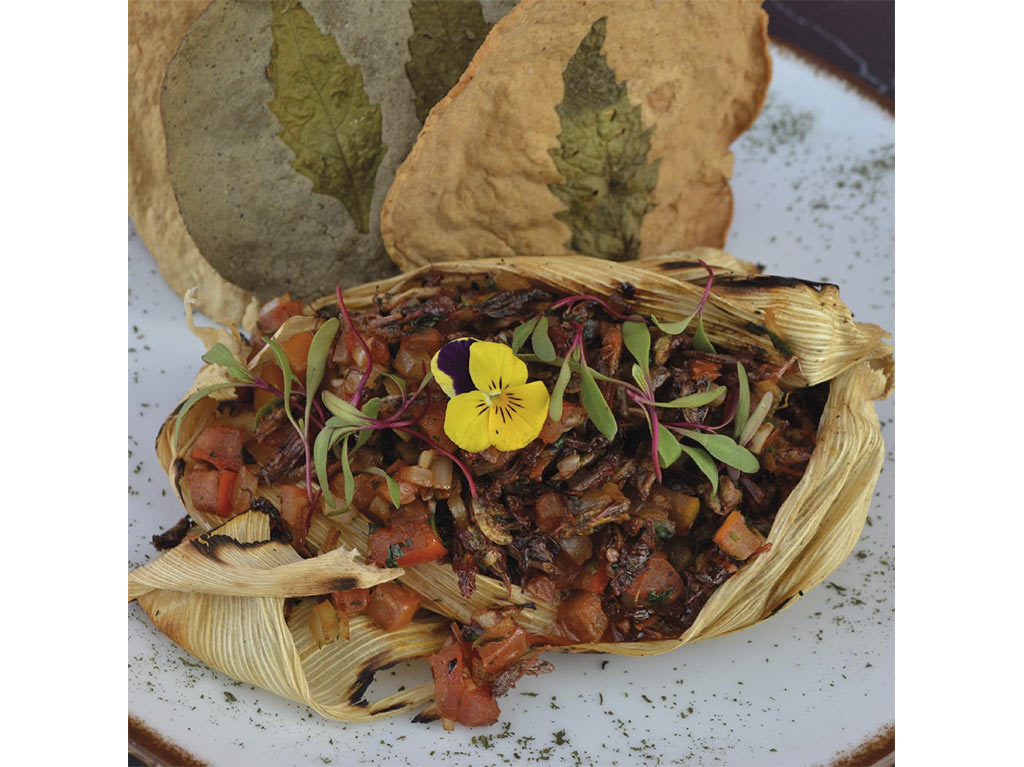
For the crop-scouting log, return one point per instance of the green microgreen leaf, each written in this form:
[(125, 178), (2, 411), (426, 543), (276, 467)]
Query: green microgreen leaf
[(370, 408), (701, 342), (673, 328), (704, 462), (595, 405), (198, 395), (669, 448), (286, 373), (558, 391), (325, 440), (726, 450), (399, 381), (219, 354), (264, 411), (316, 359), (346, 468), (523, 332), (540, 341), (743, 404), (637, 339), (695, 400), (392, 484), (349, 414), (638, 376)]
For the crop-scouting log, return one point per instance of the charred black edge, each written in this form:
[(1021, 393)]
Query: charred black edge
[(365, 677), (209, 544), (344, 583), (392, 707), (179, 472), (427, 715), (780, 346), (785, 602), (278, 529), (770, 281)]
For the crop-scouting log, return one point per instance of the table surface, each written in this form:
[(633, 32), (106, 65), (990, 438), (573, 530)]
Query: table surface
[(852, 37)]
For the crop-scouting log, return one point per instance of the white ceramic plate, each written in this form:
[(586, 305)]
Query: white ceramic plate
[(814, 199)]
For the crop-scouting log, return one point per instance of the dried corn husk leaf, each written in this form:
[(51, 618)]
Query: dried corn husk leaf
[(235, 628), (815, 528)]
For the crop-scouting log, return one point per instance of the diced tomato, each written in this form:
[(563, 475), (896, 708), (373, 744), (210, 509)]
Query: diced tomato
[(541, 587), (203, 489), (458, 698), (658, 583), (351, 601), (296, 349), (501, 653), (408, 539), (275, 312), (295, 510), (221, 446), (225, 492), (550, 512), (736, 539), (392, 606), (583, 617), (406, 491)]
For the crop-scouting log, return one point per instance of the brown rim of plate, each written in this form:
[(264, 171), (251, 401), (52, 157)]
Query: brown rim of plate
[(154, 749), (150, 747)]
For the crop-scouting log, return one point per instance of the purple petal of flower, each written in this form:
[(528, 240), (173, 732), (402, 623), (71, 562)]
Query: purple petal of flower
[(453, 360)]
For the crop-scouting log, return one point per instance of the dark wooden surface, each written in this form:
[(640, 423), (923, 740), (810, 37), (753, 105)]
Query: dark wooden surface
[(855, 36)]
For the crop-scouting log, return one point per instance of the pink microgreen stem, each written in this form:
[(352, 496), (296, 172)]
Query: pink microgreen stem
[(782, 371), (571, 300), (652, 416), (692, 426), (707, 287), (438, 448), (366, 349)]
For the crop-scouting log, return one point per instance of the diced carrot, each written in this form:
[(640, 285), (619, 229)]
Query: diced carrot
[(477, 707), (351, 601), (499, 654), (296, 349), (583, 617), (295, 510), (458, 698), (736, 539), (220, 445), (225, 492), (550, 512), (203, 488), (271, 373), (658, 583), (541, 587), (392, 606), (593, 578)]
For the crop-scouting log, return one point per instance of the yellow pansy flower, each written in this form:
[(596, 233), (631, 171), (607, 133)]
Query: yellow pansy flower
[(491, 402)]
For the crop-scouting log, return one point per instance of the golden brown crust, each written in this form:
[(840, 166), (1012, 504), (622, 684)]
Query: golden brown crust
[(476, 183)]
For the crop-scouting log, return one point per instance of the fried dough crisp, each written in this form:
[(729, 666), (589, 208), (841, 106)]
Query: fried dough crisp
[(477, 182), (154, 31)]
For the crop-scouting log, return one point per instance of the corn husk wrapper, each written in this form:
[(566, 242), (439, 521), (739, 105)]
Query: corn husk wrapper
[(814, 530)]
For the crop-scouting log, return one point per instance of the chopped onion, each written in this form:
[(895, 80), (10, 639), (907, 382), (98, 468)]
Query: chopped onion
[(760, 438), (426, 458), (415, 475), (578, 547), (757, 417), (568, 465), (443, 468)]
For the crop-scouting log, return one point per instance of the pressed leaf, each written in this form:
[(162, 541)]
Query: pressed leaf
[(445, 35), (595, 405), (669, 448), (695, 400), (701, 342), (523, 332), (316, 359), (392, 485), (326, 117), (637, 339), (199, 394), (540, 341), (726, 450), (558, 391), (673, 328), (743, 403), (704, 462), (219, 354), (602, 155)]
